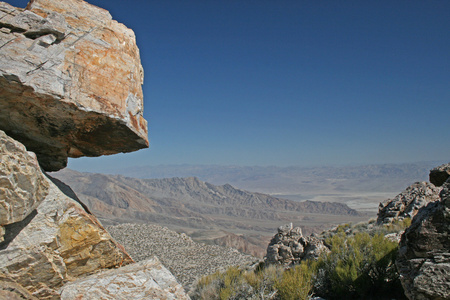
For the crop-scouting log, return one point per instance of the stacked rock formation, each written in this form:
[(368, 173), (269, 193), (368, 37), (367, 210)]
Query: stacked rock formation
[(407, 203), (424, 255), (70, 81), (289, 247), (70, 86)]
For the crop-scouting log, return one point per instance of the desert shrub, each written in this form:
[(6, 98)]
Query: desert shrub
[(271, 282), (296, 283), (358, 267)]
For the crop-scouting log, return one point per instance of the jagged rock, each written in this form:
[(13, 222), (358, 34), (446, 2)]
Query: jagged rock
[(57, 241), (22, 185), (289, 247), (70, 81), (148, 279), (440, 174), (424, 255), (407, 203), (10, 290)]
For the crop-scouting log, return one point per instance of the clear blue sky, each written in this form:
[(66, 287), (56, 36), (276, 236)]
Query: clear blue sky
[(289, 82)]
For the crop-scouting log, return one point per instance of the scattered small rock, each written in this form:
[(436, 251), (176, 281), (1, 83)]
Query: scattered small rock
[(186, 259)]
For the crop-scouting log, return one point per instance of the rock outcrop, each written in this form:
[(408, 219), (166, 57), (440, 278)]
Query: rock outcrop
[(424, 255), (70, 81), (70, 86), (148, 279), (407, 203), (289, 247), (22, 185), (54, 240), (439, 175)]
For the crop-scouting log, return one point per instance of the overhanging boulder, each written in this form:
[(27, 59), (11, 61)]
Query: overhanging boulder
[(70, 81)]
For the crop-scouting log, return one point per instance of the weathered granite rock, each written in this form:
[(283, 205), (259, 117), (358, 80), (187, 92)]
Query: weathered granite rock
[(10, 290), (56, 242), (424, 255), (22, 185), (407, 203), (148, 279), (439, 175), (289, 247), (70, 81)]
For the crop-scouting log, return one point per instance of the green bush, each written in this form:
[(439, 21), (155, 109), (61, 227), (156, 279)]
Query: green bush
[(271, 282), (296, 283), (358, 267)]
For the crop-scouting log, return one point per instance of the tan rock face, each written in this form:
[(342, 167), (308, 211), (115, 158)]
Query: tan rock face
[(148, 279), (70, 81), (22, 185), (57, 243), (48, 238)]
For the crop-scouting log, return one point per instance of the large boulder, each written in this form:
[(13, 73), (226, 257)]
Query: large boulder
[(407, 203), (289, 247), (148, 279), (439, 175), (53, 240), (70, 81), (22, 185), (424, 254)]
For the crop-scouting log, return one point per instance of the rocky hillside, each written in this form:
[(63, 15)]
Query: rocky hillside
[(186, 259), (203, 210)]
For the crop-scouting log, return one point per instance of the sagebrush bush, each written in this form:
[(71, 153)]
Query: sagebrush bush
[(296, 283), (271, 282), (358, 267)]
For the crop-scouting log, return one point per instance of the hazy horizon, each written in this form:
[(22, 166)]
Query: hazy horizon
[(289, 82)]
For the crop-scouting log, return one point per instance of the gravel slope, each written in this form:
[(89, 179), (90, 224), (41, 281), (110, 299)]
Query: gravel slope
[(186, 259)]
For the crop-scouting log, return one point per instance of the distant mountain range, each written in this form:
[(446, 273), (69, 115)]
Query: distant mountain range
[(208, 212), (295, 179)]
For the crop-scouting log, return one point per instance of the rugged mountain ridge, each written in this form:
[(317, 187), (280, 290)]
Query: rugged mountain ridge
[(205, 211), (194, 194)]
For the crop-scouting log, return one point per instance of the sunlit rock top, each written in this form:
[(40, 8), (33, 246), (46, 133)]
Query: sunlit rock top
[(70, 81)]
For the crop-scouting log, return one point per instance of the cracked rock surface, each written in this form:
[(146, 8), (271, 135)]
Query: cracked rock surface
[(408, 203), (47, 236), (22, 184), (70, 81), (424, 251), (148, 279)]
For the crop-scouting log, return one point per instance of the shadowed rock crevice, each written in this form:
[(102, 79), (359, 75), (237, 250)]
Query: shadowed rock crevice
[(12, 230), (67, 190)]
